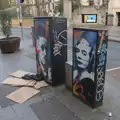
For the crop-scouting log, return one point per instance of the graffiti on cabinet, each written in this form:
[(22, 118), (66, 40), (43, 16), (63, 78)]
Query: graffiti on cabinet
[(84, 63), (58, 43), (100, 84), (42, 48), (101, 66), (42, 52)]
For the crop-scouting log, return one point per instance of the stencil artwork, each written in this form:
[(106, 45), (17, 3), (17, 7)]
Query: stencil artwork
[(42, 49), (84, 64)]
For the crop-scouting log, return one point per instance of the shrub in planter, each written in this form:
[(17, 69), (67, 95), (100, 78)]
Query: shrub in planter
[(7, 44)]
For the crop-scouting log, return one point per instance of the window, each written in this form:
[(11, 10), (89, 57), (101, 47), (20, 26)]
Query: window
[(91, 2)]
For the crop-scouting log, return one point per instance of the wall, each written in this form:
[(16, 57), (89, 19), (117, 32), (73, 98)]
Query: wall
[(114, 7), (101, 17), (76, 16), (26, 22), (110, 20)]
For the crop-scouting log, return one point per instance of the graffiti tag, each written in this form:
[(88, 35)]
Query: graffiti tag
[(100, 84), (57, 43), (100, 73), (57, 46)]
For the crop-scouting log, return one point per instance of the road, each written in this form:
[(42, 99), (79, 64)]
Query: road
[(113, 57)]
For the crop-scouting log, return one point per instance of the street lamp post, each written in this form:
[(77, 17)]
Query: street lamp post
[(53, 8), (19, 11), (20, 7)]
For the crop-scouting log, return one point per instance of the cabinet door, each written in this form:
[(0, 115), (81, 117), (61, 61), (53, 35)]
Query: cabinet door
[(43, 48), (59, 49), (84, 53)]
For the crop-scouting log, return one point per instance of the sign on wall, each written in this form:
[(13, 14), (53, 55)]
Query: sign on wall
[(89, 18)]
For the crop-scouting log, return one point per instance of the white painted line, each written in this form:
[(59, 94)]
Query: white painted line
[(113, 69)]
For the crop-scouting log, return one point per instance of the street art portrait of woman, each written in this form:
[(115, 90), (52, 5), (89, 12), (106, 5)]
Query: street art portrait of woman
[(41, 46), (42, 56), (84, 65), (42, 51)]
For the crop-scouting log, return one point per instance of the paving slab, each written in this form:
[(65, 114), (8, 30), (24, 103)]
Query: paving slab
[(24, 112), (13, 118), (4, 91), (52, 109), (7, 113), (83, 111)]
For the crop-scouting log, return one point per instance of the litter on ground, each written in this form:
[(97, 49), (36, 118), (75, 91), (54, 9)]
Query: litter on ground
[(22, 94), (28, 88), (19, 73)]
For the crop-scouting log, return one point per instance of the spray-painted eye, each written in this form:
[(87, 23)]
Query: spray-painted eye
[(79, 58), (84, 52), (77, 50)]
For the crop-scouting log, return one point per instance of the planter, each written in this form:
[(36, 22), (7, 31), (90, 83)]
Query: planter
[(10, 45)]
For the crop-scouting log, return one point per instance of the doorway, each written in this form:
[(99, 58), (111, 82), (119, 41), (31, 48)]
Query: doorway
[(118, 14)]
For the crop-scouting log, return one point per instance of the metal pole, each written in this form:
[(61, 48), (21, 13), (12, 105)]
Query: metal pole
[(20, 7), (18, 16), (53, 8)]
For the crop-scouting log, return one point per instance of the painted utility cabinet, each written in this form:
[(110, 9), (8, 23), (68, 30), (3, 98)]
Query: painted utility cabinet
[(51, 48), (89, 64)]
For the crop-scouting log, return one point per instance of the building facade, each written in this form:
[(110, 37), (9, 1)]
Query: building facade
[(114, 13), (38, 7), (88, 12), (106, 12)]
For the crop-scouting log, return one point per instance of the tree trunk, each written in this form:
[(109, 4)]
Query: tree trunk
[(38, 7)]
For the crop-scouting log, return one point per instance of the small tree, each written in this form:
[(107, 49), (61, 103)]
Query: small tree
[(6, 23), (100, 5)]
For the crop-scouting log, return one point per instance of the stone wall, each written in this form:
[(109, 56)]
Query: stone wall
[(101, 16)]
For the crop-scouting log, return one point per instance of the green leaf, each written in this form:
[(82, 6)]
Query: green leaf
[(6, 23)]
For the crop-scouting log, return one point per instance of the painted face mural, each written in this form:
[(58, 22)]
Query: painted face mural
[(82, 53), (42, 47), (84, 56), (42, 53)]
